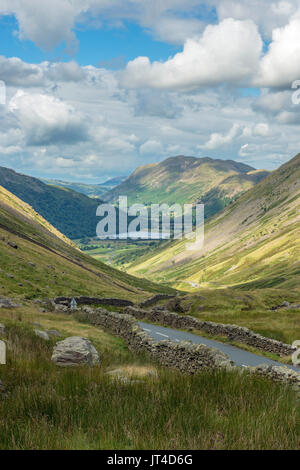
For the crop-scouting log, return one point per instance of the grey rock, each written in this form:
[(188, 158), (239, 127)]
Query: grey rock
[(13, 245), (53, 333), (75, 351), (42, 334), (7, 303), (2, 329)]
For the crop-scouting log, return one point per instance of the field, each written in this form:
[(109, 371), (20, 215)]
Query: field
[(51, 408), (116, 253)]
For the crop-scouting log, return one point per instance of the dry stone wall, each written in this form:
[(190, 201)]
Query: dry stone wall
[(184, 356), (233, 332), (156, 298), (93, 301)]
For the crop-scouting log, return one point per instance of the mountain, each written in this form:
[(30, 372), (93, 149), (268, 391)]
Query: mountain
[(254, 243), (188, 180), (91, 190), (38, 261), (72, 213), (113, 182)]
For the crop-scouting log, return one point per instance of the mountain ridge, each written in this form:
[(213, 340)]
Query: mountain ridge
[(188, 180)]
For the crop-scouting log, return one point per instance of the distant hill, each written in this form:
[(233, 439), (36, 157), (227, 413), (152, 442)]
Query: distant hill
[(37, 261), (252, 244), (113, 182), (91, 190), (188, 180), (72, 213)]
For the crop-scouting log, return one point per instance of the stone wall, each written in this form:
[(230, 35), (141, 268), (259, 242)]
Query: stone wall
[(184, 356), (233, 332), (94, 301), (156, 298)]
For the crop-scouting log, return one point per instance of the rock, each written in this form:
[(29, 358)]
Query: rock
[(42, 334), (75, 351), (2, 329), (13, 245), (174, 305), (7, 303), (53, 333)]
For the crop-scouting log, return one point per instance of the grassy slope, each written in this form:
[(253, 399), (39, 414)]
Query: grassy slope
[(255, 243), (187, 180), (55, 408), (58, 268), (72, 213)]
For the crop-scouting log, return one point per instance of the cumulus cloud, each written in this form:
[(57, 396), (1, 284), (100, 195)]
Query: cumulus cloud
[(46, 23), (227, 52), (267, 14), (47, 120), (281, 64), (64, 71), (156, 103), (15, 72), (50, 22), (151, 147), (219, 140), (176, 30)]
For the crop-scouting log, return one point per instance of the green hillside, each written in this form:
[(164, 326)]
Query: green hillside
[(188, 180), (72, 213), (38, 261), (253, 244)]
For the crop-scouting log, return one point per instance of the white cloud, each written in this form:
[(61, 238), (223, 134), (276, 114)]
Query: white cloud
[(177, 30), (281, 64), (262, 129), (64, 71), (219, 140), (46, 23), (50, 22), (13, 71), (267, 14), (47, 120), (151, 147), (218, 56), (156, 103)]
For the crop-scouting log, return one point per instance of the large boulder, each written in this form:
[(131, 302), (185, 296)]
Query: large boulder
[(75, 351)]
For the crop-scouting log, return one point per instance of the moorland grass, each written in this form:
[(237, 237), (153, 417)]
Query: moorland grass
[(56, 408)]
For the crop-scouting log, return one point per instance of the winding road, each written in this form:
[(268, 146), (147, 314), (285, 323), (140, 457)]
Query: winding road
[(240, 357)]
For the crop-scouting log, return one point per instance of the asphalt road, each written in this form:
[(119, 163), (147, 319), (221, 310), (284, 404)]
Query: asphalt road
[(238, 356)]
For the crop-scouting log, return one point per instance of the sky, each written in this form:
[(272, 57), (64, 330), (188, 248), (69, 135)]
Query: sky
[(91, 89)]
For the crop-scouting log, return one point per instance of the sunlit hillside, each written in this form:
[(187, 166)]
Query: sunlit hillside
[(254, 243)]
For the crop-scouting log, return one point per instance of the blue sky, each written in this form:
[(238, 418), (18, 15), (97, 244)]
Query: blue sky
[(94, 45), (96, 88)]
